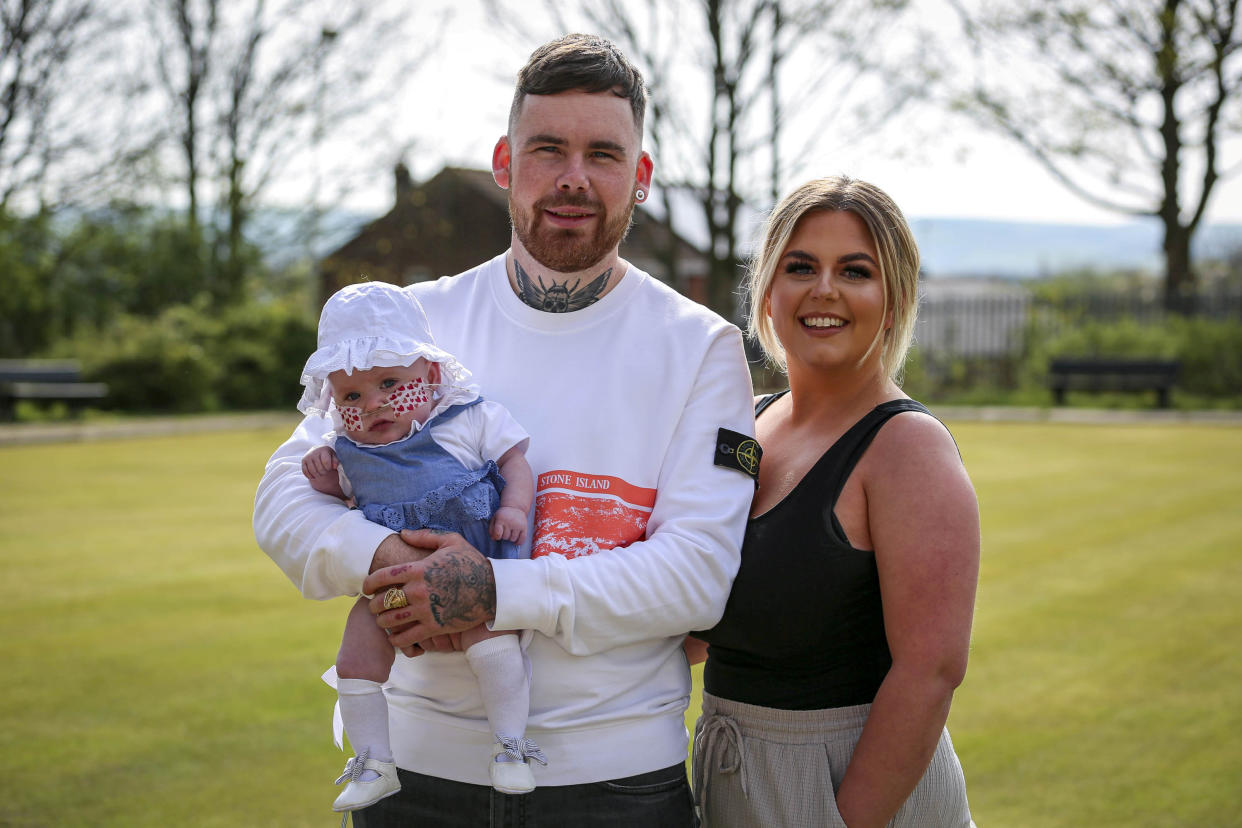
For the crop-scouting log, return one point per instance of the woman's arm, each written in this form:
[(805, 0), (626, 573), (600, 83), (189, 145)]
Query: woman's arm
[(696, 650), (924, 524)]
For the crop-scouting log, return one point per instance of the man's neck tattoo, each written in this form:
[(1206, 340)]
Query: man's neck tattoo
[(559, 297)]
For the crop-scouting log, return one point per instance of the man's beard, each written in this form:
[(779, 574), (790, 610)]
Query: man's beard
[(568, 251)]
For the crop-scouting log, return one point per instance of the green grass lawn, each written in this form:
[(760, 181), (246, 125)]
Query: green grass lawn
[(158, 669)]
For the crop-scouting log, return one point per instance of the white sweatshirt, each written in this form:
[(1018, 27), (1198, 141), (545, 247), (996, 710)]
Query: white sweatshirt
[(636, 532)]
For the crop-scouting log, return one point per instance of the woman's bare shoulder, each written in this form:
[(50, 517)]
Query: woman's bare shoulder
[(915, 441)]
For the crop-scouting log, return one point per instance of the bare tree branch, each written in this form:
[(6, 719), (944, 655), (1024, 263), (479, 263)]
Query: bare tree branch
[(1118, 96), (42, 44), (739, 92)]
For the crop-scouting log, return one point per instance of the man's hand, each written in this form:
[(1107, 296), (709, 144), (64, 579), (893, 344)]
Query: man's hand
[(391, 551), (442, 644), (394, 550), (449, 591)]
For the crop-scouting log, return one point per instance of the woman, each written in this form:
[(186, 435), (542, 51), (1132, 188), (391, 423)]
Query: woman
[(829, 678)]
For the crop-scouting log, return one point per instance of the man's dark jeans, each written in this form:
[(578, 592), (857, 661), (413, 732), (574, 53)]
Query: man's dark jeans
[(659, 799)]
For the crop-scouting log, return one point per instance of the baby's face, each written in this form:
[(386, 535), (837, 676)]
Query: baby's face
[(379, 404)]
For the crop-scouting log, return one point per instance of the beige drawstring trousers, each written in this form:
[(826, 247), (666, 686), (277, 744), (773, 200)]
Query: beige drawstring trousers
[(759, 767)]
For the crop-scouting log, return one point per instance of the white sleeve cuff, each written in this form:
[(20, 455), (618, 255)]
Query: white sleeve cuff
[(521, 595)]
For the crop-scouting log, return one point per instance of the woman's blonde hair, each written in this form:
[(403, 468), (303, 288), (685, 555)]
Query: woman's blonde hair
[(898, 252)]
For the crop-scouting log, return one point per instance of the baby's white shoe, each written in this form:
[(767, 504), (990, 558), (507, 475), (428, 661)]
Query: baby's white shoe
[(510, 768), (359, 793)]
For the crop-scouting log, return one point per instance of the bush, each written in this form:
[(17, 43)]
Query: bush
[(187, 360), (261, 350), (1211, 355), (1209, 350), (154, 364)]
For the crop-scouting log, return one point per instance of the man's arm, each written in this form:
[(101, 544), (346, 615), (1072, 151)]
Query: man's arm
[(676, 580), (323, 547)]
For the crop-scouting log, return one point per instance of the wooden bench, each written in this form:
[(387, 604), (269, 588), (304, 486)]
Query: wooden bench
[(1112, 374), (45, 380)]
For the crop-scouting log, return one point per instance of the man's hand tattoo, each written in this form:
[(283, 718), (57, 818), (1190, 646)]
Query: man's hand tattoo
[(559, 297), (460, 588)]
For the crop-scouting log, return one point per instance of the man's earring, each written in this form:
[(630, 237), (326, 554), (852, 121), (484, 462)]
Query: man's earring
[(640, 194)]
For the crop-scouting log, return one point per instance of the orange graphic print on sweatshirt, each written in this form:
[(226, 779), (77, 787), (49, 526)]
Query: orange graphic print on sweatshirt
[(581, 514)]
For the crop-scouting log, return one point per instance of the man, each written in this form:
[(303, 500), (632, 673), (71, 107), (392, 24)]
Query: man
[(635, 399)]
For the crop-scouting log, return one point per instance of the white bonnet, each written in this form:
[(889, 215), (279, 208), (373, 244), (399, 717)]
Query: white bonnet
[(368, 325)]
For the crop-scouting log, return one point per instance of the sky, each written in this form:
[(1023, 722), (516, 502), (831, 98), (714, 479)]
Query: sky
[(457, 106)]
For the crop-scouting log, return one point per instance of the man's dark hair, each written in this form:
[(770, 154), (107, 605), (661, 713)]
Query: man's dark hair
[(580, 63)]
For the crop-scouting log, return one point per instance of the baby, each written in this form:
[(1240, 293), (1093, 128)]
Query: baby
[(414, 447)]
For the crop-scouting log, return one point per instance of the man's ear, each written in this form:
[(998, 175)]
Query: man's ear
[(644, 173), (501, 159)]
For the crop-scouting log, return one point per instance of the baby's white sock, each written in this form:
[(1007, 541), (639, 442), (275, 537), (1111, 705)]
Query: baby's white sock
[(364, 711), (500, 667)]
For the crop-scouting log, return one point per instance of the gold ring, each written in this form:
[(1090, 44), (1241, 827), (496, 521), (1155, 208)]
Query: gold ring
[(395, 598)]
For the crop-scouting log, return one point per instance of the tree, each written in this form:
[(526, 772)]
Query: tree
[(43, 45), (740, 94), (66, 278), (250, 88), (183, 71), (1130, 104), (26, 309)]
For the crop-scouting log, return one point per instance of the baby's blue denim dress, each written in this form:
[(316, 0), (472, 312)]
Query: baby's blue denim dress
[(416, 484)]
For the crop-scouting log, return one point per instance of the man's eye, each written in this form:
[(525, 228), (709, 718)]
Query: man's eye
[(351, 396), (388, 383)]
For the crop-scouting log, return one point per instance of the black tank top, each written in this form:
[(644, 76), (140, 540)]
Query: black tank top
[(804, 627)]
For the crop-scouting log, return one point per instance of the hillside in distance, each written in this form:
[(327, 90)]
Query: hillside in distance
[(1011, 249), (949, 246)]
